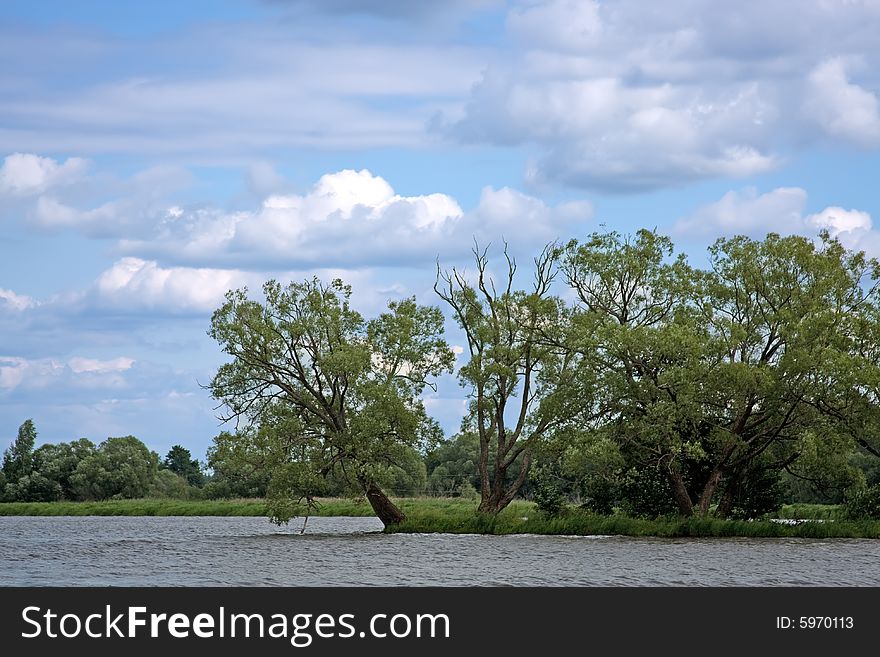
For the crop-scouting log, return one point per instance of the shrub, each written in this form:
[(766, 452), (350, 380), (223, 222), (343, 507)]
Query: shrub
[(863, 503)]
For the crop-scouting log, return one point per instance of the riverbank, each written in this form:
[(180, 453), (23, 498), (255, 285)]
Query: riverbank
[(328, 507), (458, 516), (577, 522)]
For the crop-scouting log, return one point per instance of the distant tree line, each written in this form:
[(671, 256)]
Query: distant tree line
[(118, 468)]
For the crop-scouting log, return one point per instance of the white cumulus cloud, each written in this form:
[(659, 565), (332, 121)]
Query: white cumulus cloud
[(15, 302), (135, 284), (747, 212), (782, 210), (624, 96), (26, 174), (354, 218), (841, 108), (80, 372)]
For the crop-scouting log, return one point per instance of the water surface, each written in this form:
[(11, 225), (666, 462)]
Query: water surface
[(235, 551)]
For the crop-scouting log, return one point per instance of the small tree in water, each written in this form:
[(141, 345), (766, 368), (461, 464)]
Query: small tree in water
[(342, 392)]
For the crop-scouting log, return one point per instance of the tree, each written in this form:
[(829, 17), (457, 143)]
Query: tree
[(58, 462), (714, 377), (237, 469), (18, 459), (336, 392), (180, 461), (120, 468), (523, 380), (453, 463)]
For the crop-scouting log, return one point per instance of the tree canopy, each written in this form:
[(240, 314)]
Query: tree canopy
[(715, 376), (331, 391)]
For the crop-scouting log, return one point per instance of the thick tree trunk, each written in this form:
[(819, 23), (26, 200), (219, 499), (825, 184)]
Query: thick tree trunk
[(679, 491), (498, 496), (384, 508), (726, 504), (709, 491)]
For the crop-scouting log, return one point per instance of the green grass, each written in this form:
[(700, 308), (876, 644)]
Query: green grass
[(141, 507), (459, 516), (234, 507), (524, 518), (810, 511)]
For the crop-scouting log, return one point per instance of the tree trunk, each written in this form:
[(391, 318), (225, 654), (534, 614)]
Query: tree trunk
[(497, 497), (679, 491), (384, 508), (726, 504), (709, 491)]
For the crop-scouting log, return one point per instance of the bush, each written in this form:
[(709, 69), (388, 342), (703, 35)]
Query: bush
[(864, 503), (546, 493), (468, 492), (34, 488), (600, 495)]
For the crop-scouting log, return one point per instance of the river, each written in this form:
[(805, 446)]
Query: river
[(234, 551)]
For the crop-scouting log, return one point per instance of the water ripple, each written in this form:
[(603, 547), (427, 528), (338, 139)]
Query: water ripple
[(224, 551)]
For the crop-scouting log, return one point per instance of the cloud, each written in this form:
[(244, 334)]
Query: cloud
[(139, 200), (781, 210), (26, 174), (267, 88), (560, 24), (13, 302), (37, 374), (141, 285), (354, 218), (79, 365), (841, 108), (617, 97), (746, 212), (262, 178)]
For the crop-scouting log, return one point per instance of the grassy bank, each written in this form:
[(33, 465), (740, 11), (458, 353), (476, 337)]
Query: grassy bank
[(523, 518), (458, 516), (236, 507)]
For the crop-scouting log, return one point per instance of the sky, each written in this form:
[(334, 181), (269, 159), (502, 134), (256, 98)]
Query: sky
[(154, 155)]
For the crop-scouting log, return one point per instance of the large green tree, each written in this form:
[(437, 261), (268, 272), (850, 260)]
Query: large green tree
[(719, 377), (121, 467), (523, 381), (336, 393), (18, 459), (179, 460), (58, 462)]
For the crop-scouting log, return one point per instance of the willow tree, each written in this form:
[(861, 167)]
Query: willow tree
[(522, 380), (721, 376), (347, 389)]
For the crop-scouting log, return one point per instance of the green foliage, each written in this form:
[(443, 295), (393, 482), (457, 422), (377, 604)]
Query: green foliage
[(521, 375), (18, 458), (119, 468), (58, 462), (238, 466), (452, 464), (170, 485), (179, 460), (523, 518), (863, 503), (547, 493), (34, 488), (645, 492), (758, 494), (323, 392), (770, 355)]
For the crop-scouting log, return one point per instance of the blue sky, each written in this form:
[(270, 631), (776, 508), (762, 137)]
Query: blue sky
[(153, 155)]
